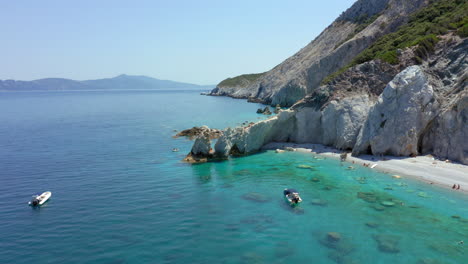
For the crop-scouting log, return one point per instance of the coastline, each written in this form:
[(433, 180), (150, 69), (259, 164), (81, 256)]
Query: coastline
[(423, 168)]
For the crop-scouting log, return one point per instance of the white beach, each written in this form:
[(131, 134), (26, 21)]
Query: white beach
[(425, 168)]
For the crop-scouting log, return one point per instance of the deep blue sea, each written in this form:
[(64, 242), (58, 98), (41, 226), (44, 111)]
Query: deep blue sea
[(120, 195)]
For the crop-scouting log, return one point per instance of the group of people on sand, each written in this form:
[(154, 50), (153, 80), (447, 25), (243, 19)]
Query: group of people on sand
[(456, 187)]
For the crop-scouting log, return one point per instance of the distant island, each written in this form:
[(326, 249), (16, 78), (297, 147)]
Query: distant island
[(121, 82)]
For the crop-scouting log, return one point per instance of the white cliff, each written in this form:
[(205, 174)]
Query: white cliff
[(400, 116)]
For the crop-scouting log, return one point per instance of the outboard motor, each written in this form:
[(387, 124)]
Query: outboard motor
[(35, 202)]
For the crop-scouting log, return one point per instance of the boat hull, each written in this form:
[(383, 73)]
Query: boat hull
[(41, 199)]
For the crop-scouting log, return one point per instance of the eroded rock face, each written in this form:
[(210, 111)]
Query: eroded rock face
[(373, 109), (448, 135), (201, 149), (202, 146), (341, 121), (400, 116), (250, 139), (337, 124)]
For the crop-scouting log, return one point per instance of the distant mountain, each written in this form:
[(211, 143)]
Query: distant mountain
[(121, 82)]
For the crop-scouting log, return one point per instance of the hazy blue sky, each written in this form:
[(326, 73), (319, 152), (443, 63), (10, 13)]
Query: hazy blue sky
[(197, 41)]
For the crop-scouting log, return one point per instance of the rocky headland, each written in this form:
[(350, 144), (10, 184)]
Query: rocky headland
[(388, 77)]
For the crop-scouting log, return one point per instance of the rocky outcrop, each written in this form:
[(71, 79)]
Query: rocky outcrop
[(195, 132), (400, 116), (244, 140), (265, 111), (406, 119), (336, 124), (371, 108), (447, 69), (334, 48), (201, 150)]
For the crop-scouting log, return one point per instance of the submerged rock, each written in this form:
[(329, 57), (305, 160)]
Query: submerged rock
[(252, 258), (340, 258), (318, 202), (284, 249), (447, 248), (367, 196), (430, 261), (387, 243), (387, 203), (336, 242), (372, 224), (303, 166), (255, 197), (333, 236), (378, 207)]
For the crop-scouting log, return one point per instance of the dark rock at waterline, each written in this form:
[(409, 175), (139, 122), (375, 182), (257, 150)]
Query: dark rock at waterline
[(387, 243), (255, 197), (277, 109), (265, 111), (195, 132)]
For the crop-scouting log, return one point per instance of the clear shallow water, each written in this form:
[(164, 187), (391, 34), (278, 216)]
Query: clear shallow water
[(120, 195)]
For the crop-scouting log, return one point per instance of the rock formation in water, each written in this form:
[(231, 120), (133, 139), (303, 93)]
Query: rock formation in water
[(402, 91), (195, 132)]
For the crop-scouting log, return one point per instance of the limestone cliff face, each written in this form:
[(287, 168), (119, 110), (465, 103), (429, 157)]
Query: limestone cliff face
[(399, 109), (396, 122), (423, 109), (334, 48), (447, 136)]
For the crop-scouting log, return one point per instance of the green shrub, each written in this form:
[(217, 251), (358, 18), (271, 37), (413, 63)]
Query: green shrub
[(240, 80), (463, 31), (438, 18)]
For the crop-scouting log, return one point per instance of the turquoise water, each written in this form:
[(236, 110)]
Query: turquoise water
[(120, 195)]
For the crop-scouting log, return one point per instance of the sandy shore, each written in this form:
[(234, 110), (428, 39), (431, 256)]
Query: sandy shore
[(424, 168)]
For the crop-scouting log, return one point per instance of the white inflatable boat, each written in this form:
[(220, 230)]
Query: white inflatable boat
[(40, 199), (292, 196)]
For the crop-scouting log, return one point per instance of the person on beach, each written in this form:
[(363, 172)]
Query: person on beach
[(454, 186)]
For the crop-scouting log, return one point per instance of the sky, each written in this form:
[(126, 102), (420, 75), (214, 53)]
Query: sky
[(195, 41)]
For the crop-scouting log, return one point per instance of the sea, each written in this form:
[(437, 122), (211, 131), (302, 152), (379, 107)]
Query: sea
[(121, 195)]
